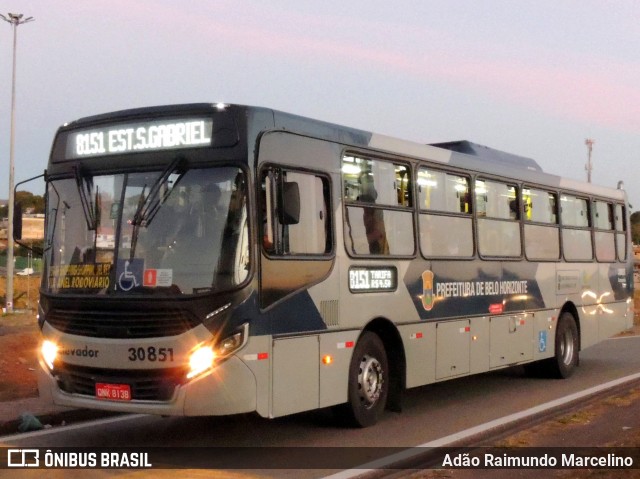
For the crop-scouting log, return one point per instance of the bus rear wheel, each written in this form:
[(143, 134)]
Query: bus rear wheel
[(567, 347), (565, 361), (368, 382)]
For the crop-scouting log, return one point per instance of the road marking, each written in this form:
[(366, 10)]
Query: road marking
[(458, 436)]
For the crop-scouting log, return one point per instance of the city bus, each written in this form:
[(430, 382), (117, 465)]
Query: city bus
[(214, 259)]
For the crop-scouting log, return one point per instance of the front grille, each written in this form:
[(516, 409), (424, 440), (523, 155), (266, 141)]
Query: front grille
[(121, 324), (146, 385)]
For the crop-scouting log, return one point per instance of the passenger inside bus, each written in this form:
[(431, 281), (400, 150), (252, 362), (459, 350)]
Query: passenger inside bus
[(373, 218), (194, 253)]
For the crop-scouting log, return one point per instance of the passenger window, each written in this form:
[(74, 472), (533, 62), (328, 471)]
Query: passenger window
[(496, 200), (439, 191), (540, 206), (576, 234), (446, 228), (603, 215), (604, 236), (498, 211), (375, 181), (378, 200), (621, 235), (541, 232), (575, 211)]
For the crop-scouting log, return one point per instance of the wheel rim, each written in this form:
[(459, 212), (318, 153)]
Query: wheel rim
[(370, 380), (567, 347)]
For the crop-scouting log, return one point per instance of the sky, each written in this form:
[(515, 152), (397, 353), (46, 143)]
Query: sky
[(531, 77)]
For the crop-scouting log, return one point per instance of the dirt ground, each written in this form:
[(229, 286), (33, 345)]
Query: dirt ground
[(19, 336), (610, 422)]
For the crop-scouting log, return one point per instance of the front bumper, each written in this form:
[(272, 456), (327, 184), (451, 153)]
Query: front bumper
[(229, 388)]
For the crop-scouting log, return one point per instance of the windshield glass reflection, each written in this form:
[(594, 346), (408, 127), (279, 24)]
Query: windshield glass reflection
[(171, 232)]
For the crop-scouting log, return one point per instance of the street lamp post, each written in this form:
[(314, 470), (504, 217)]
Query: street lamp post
[(14, 19), (589, 166)]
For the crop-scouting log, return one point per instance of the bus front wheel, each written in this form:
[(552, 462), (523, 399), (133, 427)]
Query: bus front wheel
[(368, 382)]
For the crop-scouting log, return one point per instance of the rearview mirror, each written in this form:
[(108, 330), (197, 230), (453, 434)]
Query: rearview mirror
[(17, 222), (289, 207)]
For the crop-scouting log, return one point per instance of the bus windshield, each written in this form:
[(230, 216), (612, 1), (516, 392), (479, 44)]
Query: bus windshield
[(177, 231)]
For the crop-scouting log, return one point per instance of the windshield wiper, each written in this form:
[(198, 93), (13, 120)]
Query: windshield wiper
[(84, 183), (149, 205)]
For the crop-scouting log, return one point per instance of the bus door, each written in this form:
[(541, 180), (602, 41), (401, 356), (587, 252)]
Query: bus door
[(297, 255)]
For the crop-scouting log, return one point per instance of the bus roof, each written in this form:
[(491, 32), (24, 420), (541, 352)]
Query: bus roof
[(463, 154), (490, 154)]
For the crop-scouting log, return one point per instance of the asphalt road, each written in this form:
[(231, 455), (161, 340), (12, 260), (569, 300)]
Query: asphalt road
[(429, 413)]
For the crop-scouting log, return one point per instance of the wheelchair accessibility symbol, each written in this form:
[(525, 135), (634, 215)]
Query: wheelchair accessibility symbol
[(542, 341), (129, 273)]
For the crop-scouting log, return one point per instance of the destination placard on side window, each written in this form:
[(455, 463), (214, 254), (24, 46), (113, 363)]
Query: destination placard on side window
[(166, 134)]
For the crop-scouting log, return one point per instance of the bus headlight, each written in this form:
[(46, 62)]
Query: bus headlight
[(49, 351), (205, 356), (200, 360)]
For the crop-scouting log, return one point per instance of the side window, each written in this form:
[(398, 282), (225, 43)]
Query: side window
[(295, 213), (439, 191), (620, 213), (576, 232), (496, 200), (620, 217), (603, 215), (378, 206), (541, 232), (604, 236), (540, 206), (575, 211), (445, 223), (498, 214)]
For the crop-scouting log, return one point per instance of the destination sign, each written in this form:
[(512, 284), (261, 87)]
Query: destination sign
[(140, 136), (373, 279)]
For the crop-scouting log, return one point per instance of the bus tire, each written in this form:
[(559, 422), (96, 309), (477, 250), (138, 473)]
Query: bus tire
[(565, 360), (368, 382)]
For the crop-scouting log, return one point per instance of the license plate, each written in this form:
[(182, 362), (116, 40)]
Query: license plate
[(113, 392)]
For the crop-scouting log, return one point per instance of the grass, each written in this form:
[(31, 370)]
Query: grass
[(25, 291)]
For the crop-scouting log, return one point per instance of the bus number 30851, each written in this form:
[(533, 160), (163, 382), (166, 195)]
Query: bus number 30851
[(151, 353)]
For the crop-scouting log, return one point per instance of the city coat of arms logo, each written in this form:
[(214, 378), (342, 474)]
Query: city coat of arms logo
[(427, 290)]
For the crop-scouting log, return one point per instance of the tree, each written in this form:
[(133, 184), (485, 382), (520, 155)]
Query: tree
[(29, 201)]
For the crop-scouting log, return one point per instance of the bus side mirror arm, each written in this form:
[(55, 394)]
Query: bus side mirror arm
[(17, 220)]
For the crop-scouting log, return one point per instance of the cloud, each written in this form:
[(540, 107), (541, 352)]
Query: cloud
[(594, 90), (563, 82)]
